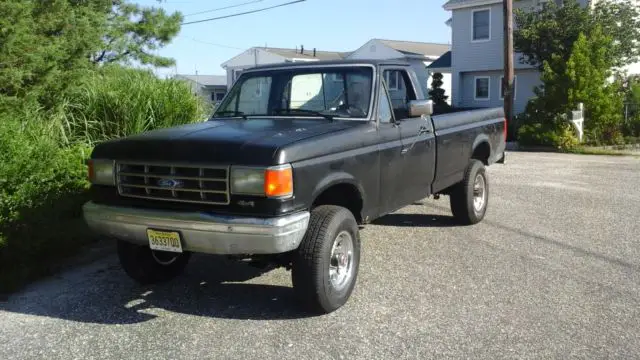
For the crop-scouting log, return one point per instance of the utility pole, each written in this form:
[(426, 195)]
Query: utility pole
[(507, 83)]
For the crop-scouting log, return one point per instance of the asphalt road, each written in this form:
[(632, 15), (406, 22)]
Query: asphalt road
[(552, 272)]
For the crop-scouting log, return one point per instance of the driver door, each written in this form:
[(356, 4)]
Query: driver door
[(418, 152)]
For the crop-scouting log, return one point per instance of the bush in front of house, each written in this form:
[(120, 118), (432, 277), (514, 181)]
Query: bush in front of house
[(43, 179), (42, 187), (556, 134)]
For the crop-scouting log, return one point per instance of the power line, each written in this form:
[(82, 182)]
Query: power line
[(223, 8), (242, 13)]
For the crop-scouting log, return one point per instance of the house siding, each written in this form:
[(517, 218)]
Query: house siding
[(248, 59), (422, 74), (374, 49), (526, 81), (485, 55)]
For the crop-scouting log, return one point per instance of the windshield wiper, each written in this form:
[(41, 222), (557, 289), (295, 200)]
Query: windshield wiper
[(233, 112), (313, 112)]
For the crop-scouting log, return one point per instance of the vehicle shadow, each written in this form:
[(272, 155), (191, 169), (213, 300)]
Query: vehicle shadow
[(211, 286), (413, 220)]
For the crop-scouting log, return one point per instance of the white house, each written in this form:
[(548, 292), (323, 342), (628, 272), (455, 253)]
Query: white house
[(211, 87), (418, 54), (476, 62), (268, 55)]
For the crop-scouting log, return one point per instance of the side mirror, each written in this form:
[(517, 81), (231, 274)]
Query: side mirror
[(418, 108)]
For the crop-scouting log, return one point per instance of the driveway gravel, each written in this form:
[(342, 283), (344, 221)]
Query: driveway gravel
[(552, 272)]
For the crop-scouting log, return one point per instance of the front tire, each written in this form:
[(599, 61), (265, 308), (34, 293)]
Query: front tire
[(325, 266), (146, 266), (470, 197)]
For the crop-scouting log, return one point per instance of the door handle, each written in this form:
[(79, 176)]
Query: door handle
[(424, 130)]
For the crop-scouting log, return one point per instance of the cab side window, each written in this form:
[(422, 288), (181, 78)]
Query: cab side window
[(384, 108), (400, 91)]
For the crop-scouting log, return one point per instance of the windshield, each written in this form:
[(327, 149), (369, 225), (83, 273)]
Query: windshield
[(342, 92)]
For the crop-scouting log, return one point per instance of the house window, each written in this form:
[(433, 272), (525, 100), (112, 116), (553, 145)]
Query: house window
[(482, 91), (219, 96), (515, 87), (392, 78), (481, 25), (236, 74)]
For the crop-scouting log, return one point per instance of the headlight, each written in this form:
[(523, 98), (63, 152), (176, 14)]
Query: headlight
[(248, 181), (101, 172), (276, 181)]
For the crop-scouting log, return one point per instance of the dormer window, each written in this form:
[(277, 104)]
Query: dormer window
[(481, 25)]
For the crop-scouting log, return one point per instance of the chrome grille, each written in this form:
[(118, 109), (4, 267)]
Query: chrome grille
[(171, 182)]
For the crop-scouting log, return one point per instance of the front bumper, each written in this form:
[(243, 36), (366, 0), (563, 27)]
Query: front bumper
[(201, 232)]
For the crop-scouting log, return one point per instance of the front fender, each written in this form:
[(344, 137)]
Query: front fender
[(337, 178)]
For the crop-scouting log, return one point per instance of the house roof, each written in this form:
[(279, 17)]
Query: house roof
[(206, 80), (443, 61), (308, 53), (416, 48), (459, 4), (345, 62)]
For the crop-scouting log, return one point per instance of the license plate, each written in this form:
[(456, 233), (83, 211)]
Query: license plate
[(164, 240)]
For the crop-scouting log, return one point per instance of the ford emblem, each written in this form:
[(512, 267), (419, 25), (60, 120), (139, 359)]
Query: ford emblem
[(170, 183)]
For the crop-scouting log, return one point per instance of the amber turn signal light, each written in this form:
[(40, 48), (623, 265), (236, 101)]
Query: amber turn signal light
[(278, 182)]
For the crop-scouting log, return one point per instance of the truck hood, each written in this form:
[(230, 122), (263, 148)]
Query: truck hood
[(253, 141)]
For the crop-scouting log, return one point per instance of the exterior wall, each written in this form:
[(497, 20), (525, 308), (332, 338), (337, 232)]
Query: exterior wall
[(422, 74), (633, 69), (374, 49), (250, 58), (208, 93), (483, 55), (526, 80)]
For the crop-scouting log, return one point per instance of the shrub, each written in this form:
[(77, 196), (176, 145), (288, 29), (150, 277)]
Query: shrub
[(42, 187), (42, 161), (560, 135), (117, 102)]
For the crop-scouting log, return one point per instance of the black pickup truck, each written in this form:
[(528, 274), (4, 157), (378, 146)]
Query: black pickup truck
[(297, 157)]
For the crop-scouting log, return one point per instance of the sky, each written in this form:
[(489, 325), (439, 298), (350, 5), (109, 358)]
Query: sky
[(333, 25)]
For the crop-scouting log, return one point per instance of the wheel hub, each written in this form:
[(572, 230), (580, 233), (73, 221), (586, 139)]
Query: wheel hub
[(341, 261), (479, 193)]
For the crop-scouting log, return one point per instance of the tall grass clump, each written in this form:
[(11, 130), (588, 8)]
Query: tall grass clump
[(117, 101), (43, 150)]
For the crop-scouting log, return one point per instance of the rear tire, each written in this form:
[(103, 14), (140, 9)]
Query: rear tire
[(146, 266), (325, 266), (470, 197)]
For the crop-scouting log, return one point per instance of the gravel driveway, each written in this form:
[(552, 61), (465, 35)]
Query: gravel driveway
[(552, 272)]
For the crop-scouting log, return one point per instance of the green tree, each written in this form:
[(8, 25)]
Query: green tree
[(437, 94), (552, 30), (587, 72), (47, 46), (133, 32), (44, 45)]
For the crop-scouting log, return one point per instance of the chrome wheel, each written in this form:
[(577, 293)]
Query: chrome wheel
[(164, 257), (479, 193), (341, 261)]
